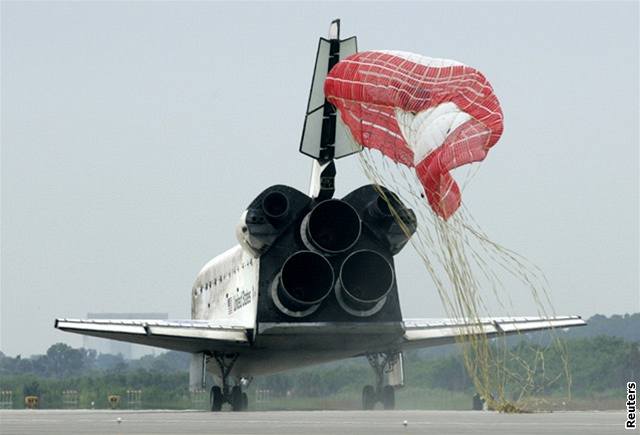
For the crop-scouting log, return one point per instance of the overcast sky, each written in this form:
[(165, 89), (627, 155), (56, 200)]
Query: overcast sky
[(134, 135)]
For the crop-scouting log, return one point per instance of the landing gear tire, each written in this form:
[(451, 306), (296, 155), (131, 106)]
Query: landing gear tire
[(216, 398), (236, 398), (368, 397), (388, 397), (245, 402), (382, 363)]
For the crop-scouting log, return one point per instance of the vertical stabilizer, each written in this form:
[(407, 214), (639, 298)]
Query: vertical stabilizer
[(324, 137)]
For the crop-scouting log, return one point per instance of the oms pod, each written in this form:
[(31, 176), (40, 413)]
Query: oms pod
[(275, 206), (331, 227), (305, 280), (365, 280)]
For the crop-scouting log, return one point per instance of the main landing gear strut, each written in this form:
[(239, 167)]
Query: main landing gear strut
[(234, 396), (381, 363)]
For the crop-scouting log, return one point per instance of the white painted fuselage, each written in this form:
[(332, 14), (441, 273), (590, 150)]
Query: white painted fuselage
[(226, 290)]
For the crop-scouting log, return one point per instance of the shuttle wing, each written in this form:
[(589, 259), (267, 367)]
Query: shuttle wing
[(434, 332), (183, 335)]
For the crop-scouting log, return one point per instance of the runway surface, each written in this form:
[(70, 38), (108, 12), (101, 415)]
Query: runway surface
[(307, 422)]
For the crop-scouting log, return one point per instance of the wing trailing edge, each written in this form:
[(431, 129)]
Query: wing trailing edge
[(183, 335), (434, 332)]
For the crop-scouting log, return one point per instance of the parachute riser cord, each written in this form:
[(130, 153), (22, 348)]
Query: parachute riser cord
[(462, 261)]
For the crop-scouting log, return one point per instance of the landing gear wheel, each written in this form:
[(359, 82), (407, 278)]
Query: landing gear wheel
[(215, 398), (220, 395), (368, 397), (236, 398), (245, 401), (388, 397), (382, 363)]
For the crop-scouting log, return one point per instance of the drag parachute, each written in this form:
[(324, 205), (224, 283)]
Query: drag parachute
[(429, 117), (433, 115)]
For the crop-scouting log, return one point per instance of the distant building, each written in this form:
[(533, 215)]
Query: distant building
[(128, 350)]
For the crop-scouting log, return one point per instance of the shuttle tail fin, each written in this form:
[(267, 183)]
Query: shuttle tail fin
[(324, 136)]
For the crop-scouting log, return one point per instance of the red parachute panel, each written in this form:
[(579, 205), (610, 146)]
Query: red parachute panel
[(431, 114)]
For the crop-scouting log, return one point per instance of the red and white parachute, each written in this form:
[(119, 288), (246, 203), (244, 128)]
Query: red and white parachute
[(431, 114)]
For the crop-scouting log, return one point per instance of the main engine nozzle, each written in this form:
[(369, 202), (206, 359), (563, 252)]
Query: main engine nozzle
[(305, 280), (366, 278), (331, 227)]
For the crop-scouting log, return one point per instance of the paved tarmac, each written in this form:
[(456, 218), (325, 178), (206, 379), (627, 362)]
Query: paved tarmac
[(307, 422)]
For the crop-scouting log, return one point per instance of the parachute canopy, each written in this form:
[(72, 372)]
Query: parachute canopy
[(431, 114)]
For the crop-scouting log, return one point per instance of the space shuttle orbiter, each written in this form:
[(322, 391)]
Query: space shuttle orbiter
[(311, 280)]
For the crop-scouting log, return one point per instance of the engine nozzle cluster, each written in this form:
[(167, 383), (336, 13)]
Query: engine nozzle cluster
[(334, 259), (334, 253)]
